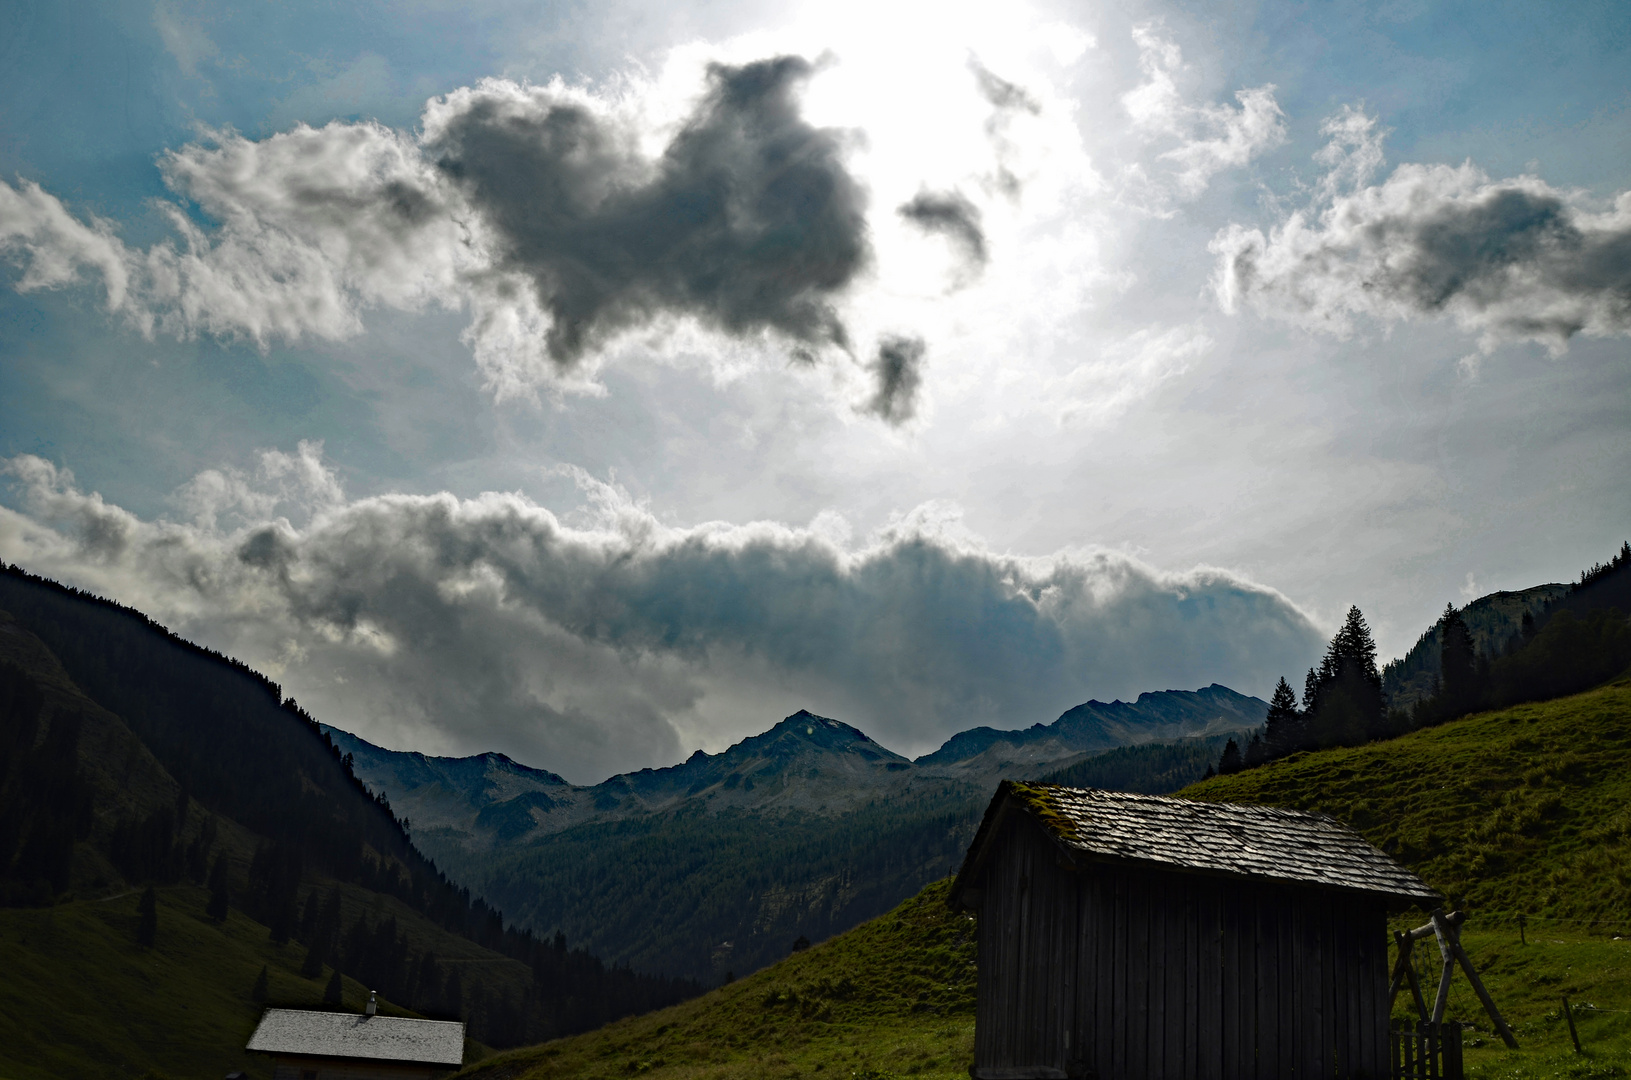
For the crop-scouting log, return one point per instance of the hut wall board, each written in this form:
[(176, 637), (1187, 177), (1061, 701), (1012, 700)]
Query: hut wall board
[(1124, 972), (301, 1068)]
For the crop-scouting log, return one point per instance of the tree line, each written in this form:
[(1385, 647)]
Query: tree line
[(44, 804), (240, 750), (1579, 640)]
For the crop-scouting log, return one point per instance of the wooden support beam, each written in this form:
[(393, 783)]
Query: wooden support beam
[(1452, 933), (1448, 956), (1404, 971)]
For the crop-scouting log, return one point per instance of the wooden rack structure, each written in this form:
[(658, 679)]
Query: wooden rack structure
[(1447, 929)]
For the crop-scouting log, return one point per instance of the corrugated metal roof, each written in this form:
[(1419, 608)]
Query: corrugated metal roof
[(352, 1035), (1254, 841)]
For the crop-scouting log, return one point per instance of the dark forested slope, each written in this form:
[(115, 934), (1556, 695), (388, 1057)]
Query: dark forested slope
[(129, 757), (1491, 622)]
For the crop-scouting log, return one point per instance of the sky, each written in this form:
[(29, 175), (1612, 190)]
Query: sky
[(598, 383)]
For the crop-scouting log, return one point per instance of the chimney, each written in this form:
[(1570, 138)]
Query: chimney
[(373, 1005)]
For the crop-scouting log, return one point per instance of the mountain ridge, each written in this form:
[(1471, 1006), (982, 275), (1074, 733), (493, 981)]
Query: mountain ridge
[(717, 863), (804, 762)]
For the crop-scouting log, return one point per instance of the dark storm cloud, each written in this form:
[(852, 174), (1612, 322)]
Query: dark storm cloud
[(748, 221), (541, 210), (898, 369), (1515, 259), (1006, 99), (952, 216)]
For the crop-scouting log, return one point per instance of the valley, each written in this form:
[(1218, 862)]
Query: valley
[(713, 866), (1501, 810)]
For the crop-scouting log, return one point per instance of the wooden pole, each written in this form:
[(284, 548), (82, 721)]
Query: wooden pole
[(1569, 1015), (1452, 933), (1405, 972), (1448, 956)]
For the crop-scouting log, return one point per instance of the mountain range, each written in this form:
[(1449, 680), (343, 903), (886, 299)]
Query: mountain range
[(826, 825), (805, 763)]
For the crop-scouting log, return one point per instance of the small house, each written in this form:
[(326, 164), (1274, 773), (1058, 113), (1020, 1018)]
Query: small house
[(308, 1045), (1130, 936)]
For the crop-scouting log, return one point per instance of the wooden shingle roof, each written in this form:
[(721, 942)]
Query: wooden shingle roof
[(1262, 842), (353, 1035)]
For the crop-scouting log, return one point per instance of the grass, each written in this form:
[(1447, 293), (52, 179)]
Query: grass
[(79, 997), (1528, 983), (1525, 811), (1521, 811), (892, 998)]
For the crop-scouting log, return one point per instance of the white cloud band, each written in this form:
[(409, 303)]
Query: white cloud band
[(467, 624)]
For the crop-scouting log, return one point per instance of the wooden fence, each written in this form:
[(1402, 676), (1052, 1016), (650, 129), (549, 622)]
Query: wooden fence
[(1426, 1051)]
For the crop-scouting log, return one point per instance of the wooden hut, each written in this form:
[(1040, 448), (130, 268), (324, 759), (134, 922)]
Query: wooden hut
[(308, 1045), (1128, 936)]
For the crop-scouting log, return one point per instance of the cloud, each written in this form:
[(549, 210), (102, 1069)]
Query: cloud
[(1003, 95), (952, 216), (1212, 138), (538, 209), (898, 369), (1126, 371), (314, 224), (184, 36), (617, 641), (748, 221), (1008, 100), (1512, 259)]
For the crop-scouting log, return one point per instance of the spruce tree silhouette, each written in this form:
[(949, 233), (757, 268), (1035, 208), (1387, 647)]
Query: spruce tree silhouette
[(147, 918), (1230, 762), (312, 966), (1458, 663), (217, 907), (1282, 727), (261, 991), (1347, 706), (332, 992)]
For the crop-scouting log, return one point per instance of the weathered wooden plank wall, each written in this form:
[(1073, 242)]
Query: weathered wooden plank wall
[(1130, 973)]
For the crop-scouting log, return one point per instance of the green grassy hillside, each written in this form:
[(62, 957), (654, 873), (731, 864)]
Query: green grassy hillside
[(892, 997), (79, 997), (1523, 811), (1518, 811)]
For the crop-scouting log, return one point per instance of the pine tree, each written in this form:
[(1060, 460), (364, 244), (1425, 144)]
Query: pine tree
[(309, 918), (1230, 762), (261, 991), (282, 918), (1282, 728), (147, 918), (453, 992), (1457, 662), (217, 907), (313, 964), (332, 992), (1343, 701)]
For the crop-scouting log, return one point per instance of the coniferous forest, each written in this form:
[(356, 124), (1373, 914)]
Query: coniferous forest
[(241, 758), (1572, 643)]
